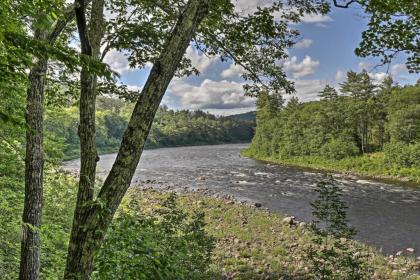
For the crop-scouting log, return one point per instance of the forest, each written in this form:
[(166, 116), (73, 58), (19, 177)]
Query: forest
[(62, 98), (367, 128), (170, 128)]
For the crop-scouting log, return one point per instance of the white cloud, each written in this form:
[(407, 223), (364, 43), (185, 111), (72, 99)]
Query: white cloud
[(234, 70), (117, 61), (378, 77), (211, 95), (300, 69), (304, 43), (340, 75), (316, 18), (364, 65), (245, 7), (199, 61), (398, 69), (307, 90)]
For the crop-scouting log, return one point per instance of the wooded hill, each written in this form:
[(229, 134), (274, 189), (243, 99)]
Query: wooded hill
[(367, 128), (170, 128)]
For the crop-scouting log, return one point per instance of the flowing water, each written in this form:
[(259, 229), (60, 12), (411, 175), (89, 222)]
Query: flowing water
[(387, 215)]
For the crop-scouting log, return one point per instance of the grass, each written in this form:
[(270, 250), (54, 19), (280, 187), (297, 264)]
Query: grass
[(370, 165), (255, 244)]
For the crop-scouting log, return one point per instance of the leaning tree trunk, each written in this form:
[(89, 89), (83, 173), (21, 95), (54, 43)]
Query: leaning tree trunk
[(34, 169), (91, 229), (90, 46)]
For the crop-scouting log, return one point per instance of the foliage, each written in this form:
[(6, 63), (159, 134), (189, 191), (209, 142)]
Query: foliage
[(337, 131), (393, 28), (334, 257), (339, 149), (162, 244), (401, 154), (166, 242), (170, 128)]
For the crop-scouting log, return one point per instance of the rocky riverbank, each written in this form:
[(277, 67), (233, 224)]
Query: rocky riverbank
[(253, 243)]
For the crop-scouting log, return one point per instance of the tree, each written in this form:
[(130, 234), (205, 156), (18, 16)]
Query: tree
[(392, 29), (34, 160), (335, 259), (254, 41), (362, 89), (328, 93)]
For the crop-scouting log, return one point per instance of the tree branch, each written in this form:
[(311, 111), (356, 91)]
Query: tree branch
[(79, 9), (345, 5)]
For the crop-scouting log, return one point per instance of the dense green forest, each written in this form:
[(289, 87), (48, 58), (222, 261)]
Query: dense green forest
[(364, 127), (54, 72), (170, 128)]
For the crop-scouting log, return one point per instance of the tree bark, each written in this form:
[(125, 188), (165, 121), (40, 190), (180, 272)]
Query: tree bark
[(34, 160), (92, 228), (34, 168), (90, 46)]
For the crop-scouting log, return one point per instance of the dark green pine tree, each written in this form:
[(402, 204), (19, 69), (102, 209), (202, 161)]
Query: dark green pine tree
[(334, 256), (328, 93)]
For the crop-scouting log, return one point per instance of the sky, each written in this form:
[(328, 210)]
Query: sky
[(323, 54)]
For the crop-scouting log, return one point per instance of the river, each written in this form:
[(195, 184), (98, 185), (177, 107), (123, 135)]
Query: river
[(386, 215)]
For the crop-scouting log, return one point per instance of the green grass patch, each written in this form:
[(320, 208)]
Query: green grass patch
[(254, 244)]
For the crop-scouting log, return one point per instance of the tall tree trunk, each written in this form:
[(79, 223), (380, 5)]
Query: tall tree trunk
[(34, 168), (34, 159), (90, 46), (92, 228)]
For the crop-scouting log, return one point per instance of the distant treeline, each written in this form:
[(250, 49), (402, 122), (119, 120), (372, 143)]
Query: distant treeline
[(381, 123), (170, 128)]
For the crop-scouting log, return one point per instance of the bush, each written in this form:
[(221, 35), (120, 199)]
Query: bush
[(335, 256), (398, 154), (162, 244), (339, 149)]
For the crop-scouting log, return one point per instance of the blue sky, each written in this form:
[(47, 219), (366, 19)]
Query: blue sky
[(323, 55)]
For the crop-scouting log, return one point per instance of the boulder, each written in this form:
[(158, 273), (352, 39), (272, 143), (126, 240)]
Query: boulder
[(410, 250), (289, 220)]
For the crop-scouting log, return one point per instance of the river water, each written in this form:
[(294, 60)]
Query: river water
[(386, 215)]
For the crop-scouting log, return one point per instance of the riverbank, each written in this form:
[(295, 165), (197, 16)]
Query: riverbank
[(75, 154), (252, 243), (369, 165)]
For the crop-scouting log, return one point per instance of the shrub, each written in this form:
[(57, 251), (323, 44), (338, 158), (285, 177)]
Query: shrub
[(339, 149), (162, 244), (398, 154), (334, 256)]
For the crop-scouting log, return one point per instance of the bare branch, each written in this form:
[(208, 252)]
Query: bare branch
[(345, 5)]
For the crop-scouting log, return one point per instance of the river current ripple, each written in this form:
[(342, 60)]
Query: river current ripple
[(386, 215)]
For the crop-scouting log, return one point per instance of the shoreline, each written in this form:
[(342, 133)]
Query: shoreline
[(387, 179), (266, 243), (113, 151)]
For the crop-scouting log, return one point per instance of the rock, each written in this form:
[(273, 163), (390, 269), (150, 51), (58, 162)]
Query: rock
[(302, 224), (399, 253), (410, 250), (257, 204), (289, 220), (230, 202), (202, 178)]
